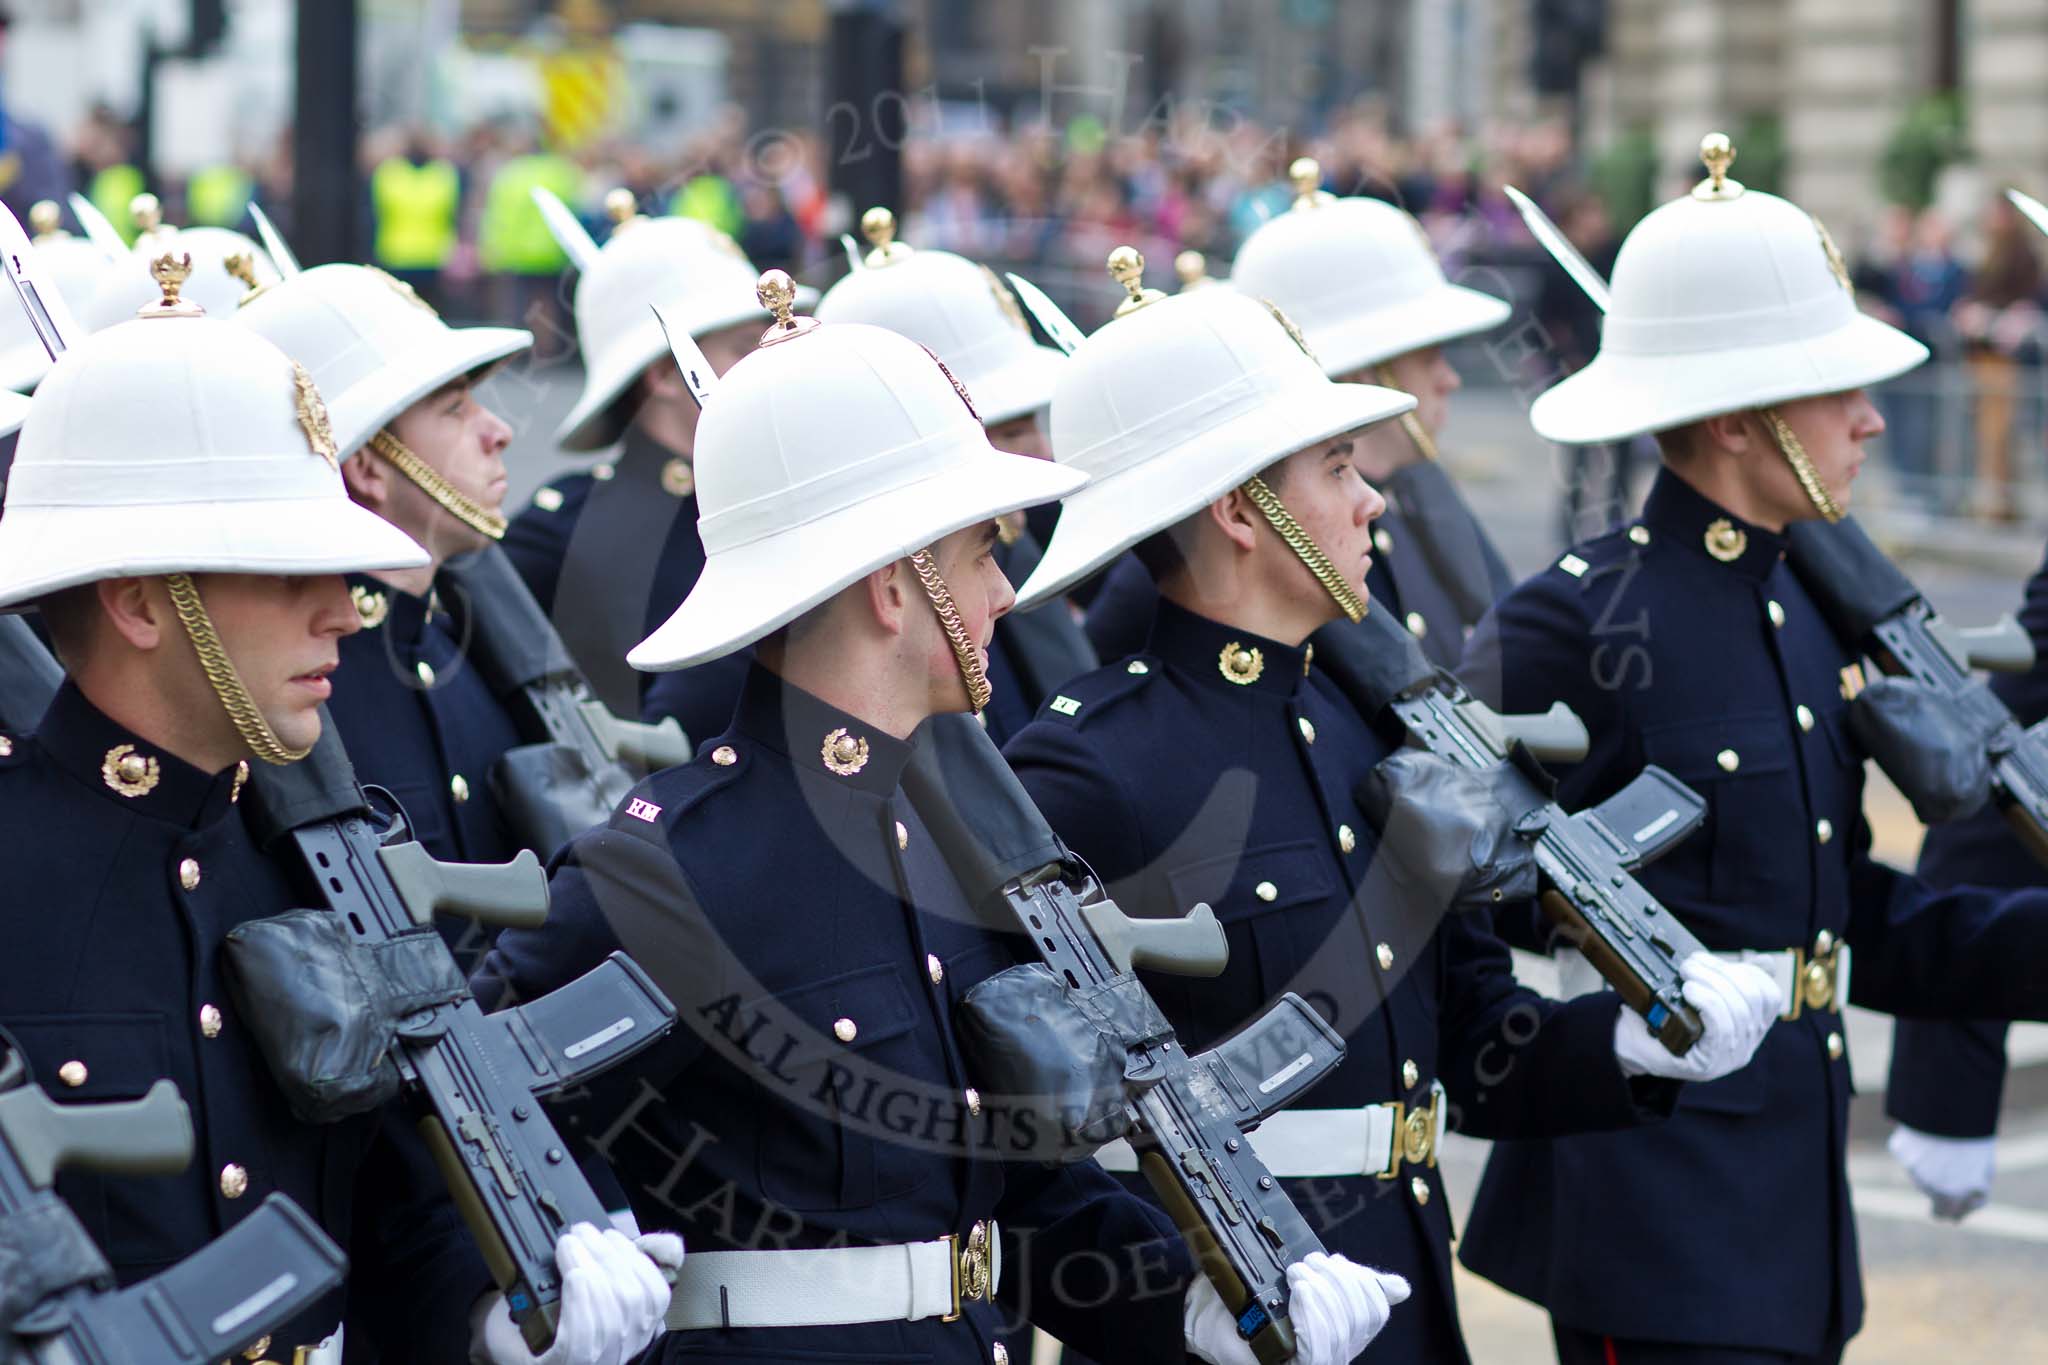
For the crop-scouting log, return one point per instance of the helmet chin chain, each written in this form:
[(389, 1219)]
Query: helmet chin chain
[(1304, 546), (222, 677), (965, 655), (424, 477), (1802, 467), (1410, 423)]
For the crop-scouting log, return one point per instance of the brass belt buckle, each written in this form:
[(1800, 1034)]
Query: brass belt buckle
[(1397, 1142), (1813, 975), (1418, 1136), (970, 1268)]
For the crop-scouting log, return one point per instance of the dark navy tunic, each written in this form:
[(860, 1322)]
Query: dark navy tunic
[(1730, 1225), (817, 947), (610, 553), (113, 961), (1032, 652), (1948, 1078), (1181, 785), (1403, 579)]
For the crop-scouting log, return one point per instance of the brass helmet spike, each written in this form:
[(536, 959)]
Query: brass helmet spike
[(170, 273), (242, 265), (1307, 175), (1127, 268), (878, 225), (147, 211), (1717, 151), (622, 206), (1192, 268), (777, 293), (45, 219)]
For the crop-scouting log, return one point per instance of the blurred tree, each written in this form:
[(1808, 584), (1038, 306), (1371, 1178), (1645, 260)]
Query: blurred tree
[(1625, 176), (1931, 136)]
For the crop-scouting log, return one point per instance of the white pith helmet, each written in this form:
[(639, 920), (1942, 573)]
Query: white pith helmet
[(1172, 404), (1359, 277), (696, 273), (831, 450), (212, 285), (1722, 300), (375, 347), (961, 312), (180, 443), (75, 267)]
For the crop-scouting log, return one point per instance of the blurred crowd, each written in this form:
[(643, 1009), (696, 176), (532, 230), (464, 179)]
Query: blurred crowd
[(451, 213)]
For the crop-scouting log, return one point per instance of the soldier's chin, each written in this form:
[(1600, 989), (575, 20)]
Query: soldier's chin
[(297, 726)]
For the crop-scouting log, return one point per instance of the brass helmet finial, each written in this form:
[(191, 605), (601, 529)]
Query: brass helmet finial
[(1306, 173), (147, 211), (878, 225), (242, 265), (1192, 268), (170, 273), (1717, 151), (1127, 268), (622, 206), (777, 293), (45, 219)]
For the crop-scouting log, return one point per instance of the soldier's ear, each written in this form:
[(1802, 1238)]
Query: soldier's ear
[(137, 608), (1734, 432), (1239, 521), (369, 482), (888, 598)]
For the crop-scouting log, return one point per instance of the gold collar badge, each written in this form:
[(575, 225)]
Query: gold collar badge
[(678, 480), (313, 416), (843, 753), (371, 607), (130, 773), (1725, 540), (1240, 665)]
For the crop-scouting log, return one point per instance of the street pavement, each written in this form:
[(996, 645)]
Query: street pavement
[(1959, 1293)]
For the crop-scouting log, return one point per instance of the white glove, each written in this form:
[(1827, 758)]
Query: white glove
[(1737, 1002), (614, 1298), (1954, 1173), (1338, 1308)]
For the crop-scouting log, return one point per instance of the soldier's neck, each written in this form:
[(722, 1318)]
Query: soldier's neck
[(660, 423), (1231, 595), (867, 682), (125, 692), (1721, 481), (1381, 450)]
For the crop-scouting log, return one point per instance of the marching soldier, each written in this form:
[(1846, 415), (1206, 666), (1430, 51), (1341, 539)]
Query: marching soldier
[(609, 552), (967, 317), (177, 516), (1686, 640), (420, 450), (1360, 279), (813, 1126), (1221, 765)]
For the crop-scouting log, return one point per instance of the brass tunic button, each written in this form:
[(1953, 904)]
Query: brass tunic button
[(6, 747), (72, 1073), (426, 672), (1137, 666), (1416, 625), (548, 499), (1308, 730), (902, 836), (1420, 1189), (1804, 717), (1381, 541), (209, 1021), (458, 787), (1775, 612), (1834, 1047), (724, 756), (1729, 760), (1411, 1074), (1000, 1355), (1266, 891), (973, 1097), (1824, 830), (1346, 840), (1385, 954), (602, 472), (188, 873), (1639, 534), (845, 1030), (1823, 943), (934, 968), (234, 1181)]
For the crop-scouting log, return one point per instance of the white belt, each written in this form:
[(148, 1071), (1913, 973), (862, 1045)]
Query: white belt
[(1306, 1144), (1811, 979), (834, 1286)]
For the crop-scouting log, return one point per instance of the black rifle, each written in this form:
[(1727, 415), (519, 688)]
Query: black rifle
[(1586, 860), (585, 759), (474, 1079), (1875, 607), (57, 1301), (1189, 1115), (29, 676)]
